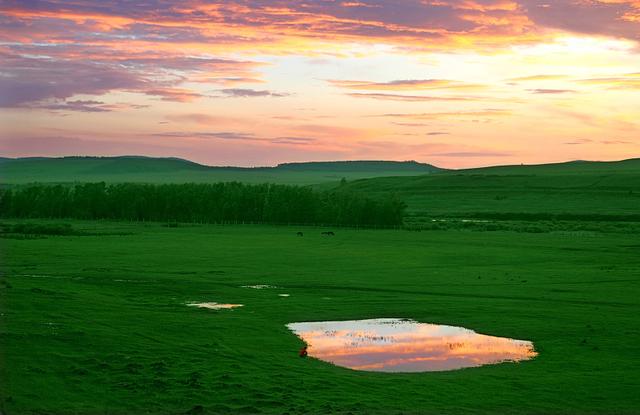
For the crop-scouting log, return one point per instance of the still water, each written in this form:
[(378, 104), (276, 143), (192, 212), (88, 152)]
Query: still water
[(214, 306), (400, 345)]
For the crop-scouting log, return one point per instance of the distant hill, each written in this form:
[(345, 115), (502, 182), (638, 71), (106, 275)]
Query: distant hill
[(362, 165), (572, 187), (569, 167), (175, 170)]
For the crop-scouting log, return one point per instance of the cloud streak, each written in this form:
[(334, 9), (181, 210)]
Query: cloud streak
[(236, 136), (453, 114), (549, 91), (627, 81), (404, 85), (250, 93), (539, 77), (411, 98)]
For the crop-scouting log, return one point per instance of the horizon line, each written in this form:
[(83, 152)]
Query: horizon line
[(318, 161)]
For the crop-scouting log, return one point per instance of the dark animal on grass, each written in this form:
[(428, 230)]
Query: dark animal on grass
[(299, 234), (329, 233)]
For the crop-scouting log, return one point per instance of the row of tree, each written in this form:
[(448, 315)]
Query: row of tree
[(211, 203)]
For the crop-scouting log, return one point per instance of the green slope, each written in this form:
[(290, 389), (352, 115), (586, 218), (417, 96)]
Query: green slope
[(574, 187), (570, 167), (578, 187), (173, 170)]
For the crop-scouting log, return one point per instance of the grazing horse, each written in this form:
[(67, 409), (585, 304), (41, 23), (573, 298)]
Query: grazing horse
[(299, 234), (329, 233)]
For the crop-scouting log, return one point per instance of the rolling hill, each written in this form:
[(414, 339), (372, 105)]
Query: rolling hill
[(174, 170), (578, 187)]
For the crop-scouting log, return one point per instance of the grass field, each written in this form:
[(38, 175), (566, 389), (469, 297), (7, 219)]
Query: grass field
[(608, 188), (94, 316), (96, 321)]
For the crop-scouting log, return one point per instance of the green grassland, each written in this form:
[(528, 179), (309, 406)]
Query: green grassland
[(93, 315), (578, 188), (171, 170), (94, 320), (584, 188)]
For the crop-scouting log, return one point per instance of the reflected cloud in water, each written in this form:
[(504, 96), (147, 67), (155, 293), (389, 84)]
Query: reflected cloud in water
[(214, 306), (399, 345)]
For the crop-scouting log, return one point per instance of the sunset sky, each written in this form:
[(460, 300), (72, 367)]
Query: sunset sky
[(455, 83)]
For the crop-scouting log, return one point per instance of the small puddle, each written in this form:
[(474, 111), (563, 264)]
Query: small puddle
[(399, 345), (214, 306), (259, 286)]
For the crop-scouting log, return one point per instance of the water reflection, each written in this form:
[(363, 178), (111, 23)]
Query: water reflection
[(397, 345), (214, 306), (259, 286)]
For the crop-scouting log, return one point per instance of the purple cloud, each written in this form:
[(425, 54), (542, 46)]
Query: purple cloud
[(579, 141), (30, 80), (293, 140), (224, 135), (37, 77), (596, 17), (250, 93)]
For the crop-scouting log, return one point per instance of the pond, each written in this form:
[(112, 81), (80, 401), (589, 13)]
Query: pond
[(401, 345)]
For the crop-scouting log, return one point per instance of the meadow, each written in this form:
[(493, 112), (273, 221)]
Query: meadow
[(574, 188), (95, 317), (95, 321)]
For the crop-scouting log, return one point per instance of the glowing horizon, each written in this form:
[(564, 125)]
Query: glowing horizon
[(457, 84)]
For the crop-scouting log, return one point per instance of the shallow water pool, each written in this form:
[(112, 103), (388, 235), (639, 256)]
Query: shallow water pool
[(214, 306), (400, 345)]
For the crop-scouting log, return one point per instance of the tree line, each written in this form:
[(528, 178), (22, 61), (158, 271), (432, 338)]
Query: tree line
[(204, 203)]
